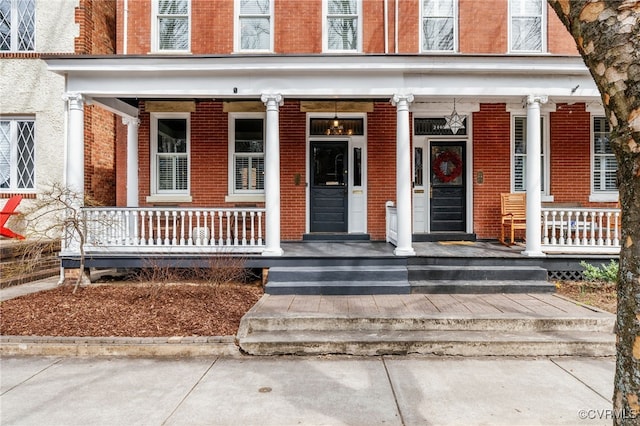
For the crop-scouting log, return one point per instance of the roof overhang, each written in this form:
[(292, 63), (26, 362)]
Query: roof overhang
[(565, 78)]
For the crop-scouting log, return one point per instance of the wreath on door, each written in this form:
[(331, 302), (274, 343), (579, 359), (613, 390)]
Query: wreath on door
[(447, 166)]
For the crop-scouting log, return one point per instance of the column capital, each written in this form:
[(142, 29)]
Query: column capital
[(75, 99), (130, 121), (401, 98), (541, 99), (272, 99)]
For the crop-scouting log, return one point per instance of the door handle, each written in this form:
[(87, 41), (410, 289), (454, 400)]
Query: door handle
[(430, 191)]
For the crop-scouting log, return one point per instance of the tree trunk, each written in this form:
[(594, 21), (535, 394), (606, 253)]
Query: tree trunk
[(607, 33)]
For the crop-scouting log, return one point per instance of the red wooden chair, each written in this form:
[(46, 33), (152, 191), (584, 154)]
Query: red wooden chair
[(8, 210)]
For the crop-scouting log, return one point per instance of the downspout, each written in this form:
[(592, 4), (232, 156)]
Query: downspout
[(396, 26), (125, 26), (386, 26)]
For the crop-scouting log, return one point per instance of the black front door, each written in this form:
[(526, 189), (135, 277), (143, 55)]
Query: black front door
[(448, 192), (329, 183)]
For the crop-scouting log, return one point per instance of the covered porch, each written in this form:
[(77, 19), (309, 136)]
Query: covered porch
[(176, 225)]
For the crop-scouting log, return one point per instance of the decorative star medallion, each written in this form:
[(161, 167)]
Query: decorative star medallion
[(455, 121)]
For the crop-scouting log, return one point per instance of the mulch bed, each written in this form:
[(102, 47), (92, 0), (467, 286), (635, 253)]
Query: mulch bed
[(597, 294), (127, 309)]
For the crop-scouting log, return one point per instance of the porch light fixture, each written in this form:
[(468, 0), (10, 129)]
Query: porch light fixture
[(336, 127), (454, 121)]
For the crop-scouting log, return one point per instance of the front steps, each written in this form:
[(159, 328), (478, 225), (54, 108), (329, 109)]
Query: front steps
[(438, 324), (344, 278)]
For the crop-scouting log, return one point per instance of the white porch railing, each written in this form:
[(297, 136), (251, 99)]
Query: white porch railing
[(174, 230), (391, 231), (581, 230)]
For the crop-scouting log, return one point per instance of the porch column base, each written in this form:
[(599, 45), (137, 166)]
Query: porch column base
[(532, 253), (273, 252), (408, 251)]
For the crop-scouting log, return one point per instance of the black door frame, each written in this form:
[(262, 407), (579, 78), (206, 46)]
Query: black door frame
[(462, 143)]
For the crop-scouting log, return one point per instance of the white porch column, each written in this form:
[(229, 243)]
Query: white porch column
[(132, 160), (403, 175), (532, 177), (74, 173), (272, 175)]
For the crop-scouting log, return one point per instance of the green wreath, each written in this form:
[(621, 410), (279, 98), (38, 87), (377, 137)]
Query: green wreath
[(447, 157)]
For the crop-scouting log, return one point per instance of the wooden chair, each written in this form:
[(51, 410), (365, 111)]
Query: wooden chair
[(7, 211), (513, 214)]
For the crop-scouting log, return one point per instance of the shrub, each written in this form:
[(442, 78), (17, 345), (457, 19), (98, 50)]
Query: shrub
[(605, 273)]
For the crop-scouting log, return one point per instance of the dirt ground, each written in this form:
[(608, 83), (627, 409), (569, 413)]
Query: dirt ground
[(133, 310), (144, 310), (597, 294)]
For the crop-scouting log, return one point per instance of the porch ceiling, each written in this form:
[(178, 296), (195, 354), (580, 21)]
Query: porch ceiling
[(566, 79)]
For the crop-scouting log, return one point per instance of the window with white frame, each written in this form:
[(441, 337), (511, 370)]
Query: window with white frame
[(527, 25), (605, 166), (520, 155), (439, 25), (247, 154), (170, 150), (17, 25), (17, 154), (171, 25), (254, 25), (342, 21)]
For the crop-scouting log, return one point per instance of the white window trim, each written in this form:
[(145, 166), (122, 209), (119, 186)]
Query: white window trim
[(168, 195), (237, 39), (455, 30), (13, 145), (546, 192), (14, 28), (543, 29), (597, 196), (233, 194), (155, 36), (325, 29)]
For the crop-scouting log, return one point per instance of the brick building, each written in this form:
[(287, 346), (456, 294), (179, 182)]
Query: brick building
[(249, 122)]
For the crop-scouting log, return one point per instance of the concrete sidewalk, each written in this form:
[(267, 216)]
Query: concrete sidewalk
[(310, 391)]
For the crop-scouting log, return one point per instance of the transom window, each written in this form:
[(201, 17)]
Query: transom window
[(17, 154), (520, 155), (527, 23), (254, 25), (170, 171), (438, 25), (605, 166), (342, 25), (17, 25), (172, 25), (247, 154)]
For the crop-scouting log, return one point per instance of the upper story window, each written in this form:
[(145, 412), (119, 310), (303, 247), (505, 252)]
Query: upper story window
[(17, 154), (519, 152), (170, 153), (439, 25), (246, 149), (605, 166), (342, 27), (254, 31), (527, 25), (17, 25), (172, 26)]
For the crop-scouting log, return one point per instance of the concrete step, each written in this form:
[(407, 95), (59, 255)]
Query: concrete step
[(506, 323), (478, 286), (451, 343), (475, 273)]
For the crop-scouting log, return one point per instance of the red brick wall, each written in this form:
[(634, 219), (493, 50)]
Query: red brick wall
[(559, 40), (491, 156), (408, 26), (483, 26), (292, 22), (570, 153), (381, 165), (96, 19), (292, 163)]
